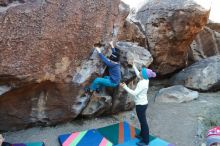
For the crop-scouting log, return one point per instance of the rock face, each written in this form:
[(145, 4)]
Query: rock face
[(44, 45), (206, 44), (203, 75), (48, 40), (170, 27), (177, 94), (39, 104)]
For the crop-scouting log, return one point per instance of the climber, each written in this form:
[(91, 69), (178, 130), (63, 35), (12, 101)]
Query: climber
[(213, 136), (113, 66), (141, 102)]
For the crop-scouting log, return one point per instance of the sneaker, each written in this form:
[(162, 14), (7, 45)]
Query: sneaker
[(88, 91), (142, 144)]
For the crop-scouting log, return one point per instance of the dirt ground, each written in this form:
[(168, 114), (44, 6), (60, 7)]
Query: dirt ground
[(182, 124)]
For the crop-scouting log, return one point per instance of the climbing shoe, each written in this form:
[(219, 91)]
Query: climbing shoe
[(88, 91)]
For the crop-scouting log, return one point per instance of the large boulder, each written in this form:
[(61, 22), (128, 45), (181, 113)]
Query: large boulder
[(178, 94), (44, 45), (202, 75), (170, 27), (47, 40)]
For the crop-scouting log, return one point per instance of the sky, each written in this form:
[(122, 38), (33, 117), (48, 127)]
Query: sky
[(215, 11), (214, 14)]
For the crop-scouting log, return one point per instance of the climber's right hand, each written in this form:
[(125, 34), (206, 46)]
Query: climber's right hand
[(98, 49)]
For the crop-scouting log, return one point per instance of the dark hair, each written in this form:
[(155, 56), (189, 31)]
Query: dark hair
[(115, 57), (98, 45)]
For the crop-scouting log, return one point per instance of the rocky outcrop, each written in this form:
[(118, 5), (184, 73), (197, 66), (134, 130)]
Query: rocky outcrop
[(44, 45), (206, 44), (203, 75), (178, 94), (170, 27)]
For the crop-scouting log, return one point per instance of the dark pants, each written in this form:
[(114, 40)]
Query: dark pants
[(141, 113), (6, 144)]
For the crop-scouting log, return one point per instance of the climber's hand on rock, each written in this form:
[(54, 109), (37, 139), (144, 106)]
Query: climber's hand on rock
[(111, 43), (98, 49)]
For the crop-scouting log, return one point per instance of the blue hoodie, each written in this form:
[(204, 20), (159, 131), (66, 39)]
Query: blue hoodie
[(113, 68)]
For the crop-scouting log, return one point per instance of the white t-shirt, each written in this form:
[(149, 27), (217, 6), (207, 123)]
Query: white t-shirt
[(140, 92)]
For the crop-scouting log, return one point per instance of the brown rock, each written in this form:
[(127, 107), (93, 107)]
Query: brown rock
[(47, 41), (170, 29), (43, 45), (40, 104)]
